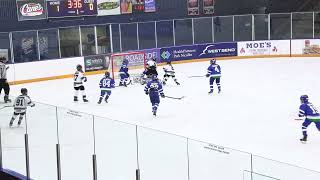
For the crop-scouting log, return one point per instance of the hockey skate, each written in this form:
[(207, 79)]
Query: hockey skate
[(6, 99), (211, 91), (85, 100), (177, 83), (19, 122), (100, 100), (75, 99), (11, 123), (106, 100), (304, 139), (154, 113)]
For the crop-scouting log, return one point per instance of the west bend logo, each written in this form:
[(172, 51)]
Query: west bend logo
[(210, 49)]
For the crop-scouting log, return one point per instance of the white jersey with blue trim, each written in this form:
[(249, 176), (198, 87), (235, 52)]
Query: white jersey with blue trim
[(168, 69), (21, 102)]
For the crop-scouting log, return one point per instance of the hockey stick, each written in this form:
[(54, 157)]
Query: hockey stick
[(5, 107), (178, 98), (195, 76)]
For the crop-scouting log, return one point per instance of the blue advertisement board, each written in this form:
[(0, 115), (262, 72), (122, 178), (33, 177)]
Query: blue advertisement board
[(217, 50), (198, 51)]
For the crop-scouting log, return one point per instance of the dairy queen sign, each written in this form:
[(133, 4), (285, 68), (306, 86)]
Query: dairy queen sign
[(31, 10)]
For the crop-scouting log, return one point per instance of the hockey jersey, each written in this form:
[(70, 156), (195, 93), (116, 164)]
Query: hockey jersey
[(214, 70), (154, 87), (21, 103), (168, 69), (107, 84), (309, 111), (78, 79)]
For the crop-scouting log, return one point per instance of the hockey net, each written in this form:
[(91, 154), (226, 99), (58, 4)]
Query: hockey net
[(137, 60)]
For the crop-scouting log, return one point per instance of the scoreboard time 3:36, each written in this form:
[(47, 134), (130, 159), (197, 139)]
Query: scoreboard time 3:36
[(71, 8)]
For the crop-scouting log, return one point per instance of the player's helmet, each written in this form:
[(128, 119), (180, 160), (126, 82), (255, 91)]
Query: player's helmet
[(107, 74), (213, 61), (3, 59), (125, 62), (154, 77), (304, 98), (24, 91), (79, 67)]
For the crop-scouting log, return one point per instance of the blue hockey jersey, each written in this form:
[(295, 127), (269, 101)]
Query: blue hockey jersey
[(154, 87), (124, 69), (106, 83), (309, 111), (214, 70)]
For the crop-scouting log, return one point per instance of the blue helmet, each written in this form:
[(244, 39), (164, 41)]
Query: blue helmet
[(154, 77), (213, 61), (107, 74), (125, 62), (304, 98)]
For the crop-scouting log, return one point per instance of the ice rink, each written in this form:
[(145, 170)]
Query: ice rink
[(254, 113)]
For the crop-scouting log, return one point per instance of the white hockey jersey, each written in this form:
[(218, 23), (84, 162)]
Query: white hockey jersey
[(78, 79), (168, 69), (21, 102)]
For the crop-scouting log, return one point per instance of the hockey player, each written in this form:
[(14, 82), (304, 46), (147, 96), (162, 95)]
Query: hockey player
[(20, 106), (79, 78), (3, 79), (151, 69), (153, 89), (310, 113), (124, 75), (106, 84), (169, 72), (214, 72)]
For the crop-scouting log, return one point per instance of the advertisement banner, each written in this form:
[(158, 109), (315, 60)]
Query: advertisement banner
[(193, 7), (260, 48), (198, 51), (179, 53), (108, 7), (217, 50), (305, 46), (208, 6), (150, 6), (4, 53), (126, 7), (153, 53), (137, 6), (96, 62), (31, 10)]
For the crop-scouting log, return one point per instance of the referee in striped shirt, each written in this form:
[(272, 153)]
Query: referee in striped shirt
[(3, 79)]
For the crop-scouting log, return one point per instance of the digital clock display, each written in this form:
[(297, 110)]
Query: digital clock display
[(71, 8)]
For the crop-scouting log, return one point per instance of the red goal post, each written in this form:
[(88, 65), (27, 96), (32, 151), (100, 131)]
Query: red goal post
[(137, 60)]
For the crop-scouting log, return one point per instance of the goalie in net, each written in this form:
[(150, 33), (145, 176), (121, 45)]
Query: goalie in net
[(125, 67)]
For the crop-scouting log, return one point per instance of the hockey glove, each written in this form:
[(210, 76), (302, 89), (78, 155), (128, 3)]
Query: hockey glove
[(162, 95), (207, 75), (33, 105), (147, 93)]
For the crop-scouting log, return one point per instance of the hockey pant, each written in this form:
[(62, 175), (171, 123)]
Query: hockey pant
[(124, 77), (76, 92), (155, 100), (217, 79), (167, 76), (5, 86), (17, 113), (106, 94), (305, 125)]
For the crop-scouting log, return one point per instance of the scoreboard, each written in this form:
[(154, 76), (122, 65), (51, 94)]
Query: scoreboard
[(71, 8)]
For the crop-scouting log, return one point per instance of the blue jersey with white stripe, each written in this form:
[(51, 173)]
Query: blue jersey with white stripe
[(309, 111), (214, 70), (124, 69), (154, 87), (106, 83)]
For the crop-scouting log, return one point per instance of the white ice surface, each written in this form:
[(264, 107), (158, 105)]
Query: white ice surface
[(255, 111)]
